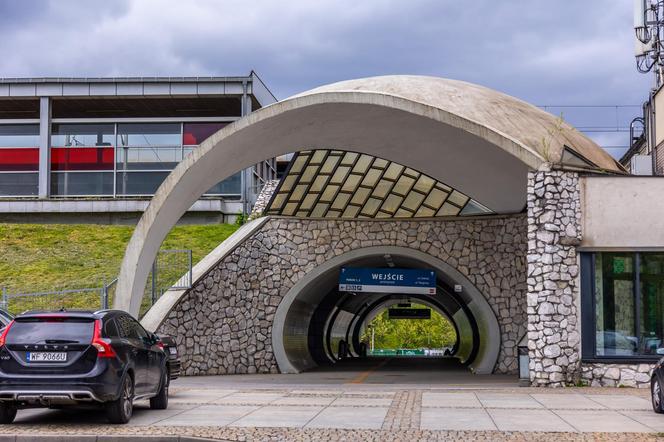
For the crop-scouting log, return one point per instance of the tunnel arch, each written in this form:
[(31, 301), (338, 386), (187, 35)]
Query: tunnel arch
[(295, 310), (477, 140)]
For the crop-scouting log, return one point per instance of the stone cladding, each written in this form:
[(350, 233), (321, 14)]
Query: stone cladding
[(223, 324), (554, 231)]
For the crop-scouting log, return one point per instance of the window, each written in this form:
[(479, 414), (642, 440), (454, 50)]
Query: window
[(110, 329), (19, 159), (82, 183), (196, 133), (622, 304)]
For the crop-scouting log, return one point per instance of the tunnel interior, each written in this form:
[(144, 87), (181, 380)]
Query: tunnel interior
[(321, 326)]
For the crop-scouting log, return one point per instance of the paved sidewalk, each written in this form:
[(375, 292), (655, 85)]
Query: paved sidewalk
[(330, 413)]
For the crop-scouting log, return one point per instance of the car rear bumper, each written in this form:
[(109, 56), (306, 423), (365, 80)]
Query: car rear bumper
[(49, 397), (102, 384)]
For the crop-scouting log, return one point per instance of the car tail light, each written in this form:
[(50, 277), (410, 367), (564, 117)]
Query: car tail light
[(3, 336), (103, 346), (160, 345)]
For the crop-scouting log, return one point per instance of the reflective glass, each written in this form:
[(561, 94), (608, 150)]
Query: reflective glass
[(82, 158), (19, 135), (148, 158), (614, 305), (290, 209), (299, 163), (474, 208), (382, 189), (196, 133), (149, 134), (318, 183), (80, 135), (309, 174), (81, 183), (288, 182), (19, 184), (403, 186), (424, 184), (139, 183), (19, 159), (230, 186), (651, 272), (425, 212)]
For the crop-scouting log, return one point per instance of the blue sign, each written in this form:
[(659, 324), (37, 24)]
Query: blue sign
[(407, 281)]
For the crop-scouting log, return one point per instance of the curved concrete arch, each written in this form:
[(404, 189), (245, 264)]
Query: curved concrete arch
[(474, 139), (325, 274)]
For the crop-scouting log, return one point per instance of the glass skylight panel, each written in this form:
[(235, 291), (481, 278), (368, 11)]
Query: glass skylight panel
[(336, 184)]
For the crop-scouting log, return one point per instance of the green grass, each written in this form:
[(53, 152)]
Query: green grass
[(37, 257)]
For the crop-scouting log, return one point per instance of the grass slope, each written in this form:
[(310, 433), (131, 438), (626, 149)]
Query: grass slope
[(38, 257)]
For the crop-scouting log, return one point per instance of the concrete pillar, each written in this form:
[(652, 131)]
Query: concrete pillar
[(44, 147), (248, 193), (554, 232)]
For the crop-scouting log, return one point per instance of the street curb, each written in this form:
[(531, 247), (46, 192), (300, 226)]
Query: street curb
[(100, 438)]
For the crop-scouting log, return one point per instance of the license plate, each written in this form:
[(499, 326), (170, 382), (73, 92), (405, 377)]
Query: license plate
[(42, 356), (173, 350)]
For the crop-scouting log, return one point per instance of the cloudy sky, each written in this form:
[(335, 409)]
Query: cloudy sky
[(567, 52)]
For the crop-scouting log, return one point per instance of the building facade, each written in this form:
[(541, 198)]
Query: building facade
[(549, 257), (97, 149)]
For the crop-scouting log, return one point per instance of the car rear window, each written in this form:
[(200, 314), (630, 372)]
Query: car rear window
[(47, 330)]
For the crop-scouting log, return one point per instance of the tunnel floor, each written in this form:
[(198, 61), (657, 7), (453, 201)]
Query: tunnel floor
[(373, 371)]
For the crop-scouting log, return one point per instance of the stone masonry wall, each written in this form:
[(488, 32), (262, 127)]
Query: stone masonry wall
[(617, 375), (554, 231), (224, 323)]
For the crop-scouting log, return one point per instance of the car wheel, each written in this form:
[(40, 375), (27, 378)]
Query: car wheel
[(119, 411), (656, 395), (160, 401), (7, 414)]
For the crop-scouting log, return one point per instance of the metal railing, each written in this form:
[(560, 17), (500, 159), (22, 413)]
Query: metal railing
[(172, 269)]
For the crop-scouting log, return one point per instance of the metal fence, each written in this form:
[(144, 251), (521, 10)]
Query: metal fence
[(170, 270)]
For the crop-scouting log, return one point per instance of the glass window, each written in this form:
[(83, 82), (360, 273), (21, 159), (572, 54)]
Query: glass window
[(19, 184), (196, 133), (148, 158), (230, 186), (139, 183), (651, 330), (19, 135), (81, 183), (82, 158), (76, 135), (149, 134), (614, 304), (13, 159), (623, 295)]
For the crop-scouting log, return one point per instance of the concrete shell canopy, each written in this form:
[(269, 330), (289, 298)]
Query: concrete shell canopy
[(474, 139)]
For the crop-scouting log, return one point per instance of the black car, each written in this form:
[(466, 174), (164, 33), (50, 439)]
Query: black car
[(70, 358), (656, 384), (173, 362), (5, 318)]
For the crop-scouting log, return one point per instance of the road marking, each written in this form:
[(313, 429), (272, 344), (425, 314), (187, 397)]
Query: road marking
[(365, 374)]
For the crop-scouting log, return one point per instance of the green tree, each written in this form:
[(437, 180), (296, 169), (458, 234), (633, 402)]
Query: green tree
[(436, 332)]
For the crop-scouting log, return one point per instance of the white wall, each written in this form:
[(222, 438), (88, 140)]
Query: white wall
[(623, 212)]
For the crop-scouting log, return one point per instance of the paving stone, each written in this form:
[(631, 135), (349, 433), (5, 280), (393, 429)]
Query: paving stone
[(528, 420), (451, 400), (456, 419), (275, 416), (349, 417), (601, 421), (505, 400)]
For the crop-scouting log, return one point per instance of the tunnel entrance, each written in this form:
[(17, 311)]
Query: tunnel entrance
[(323, 325)]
